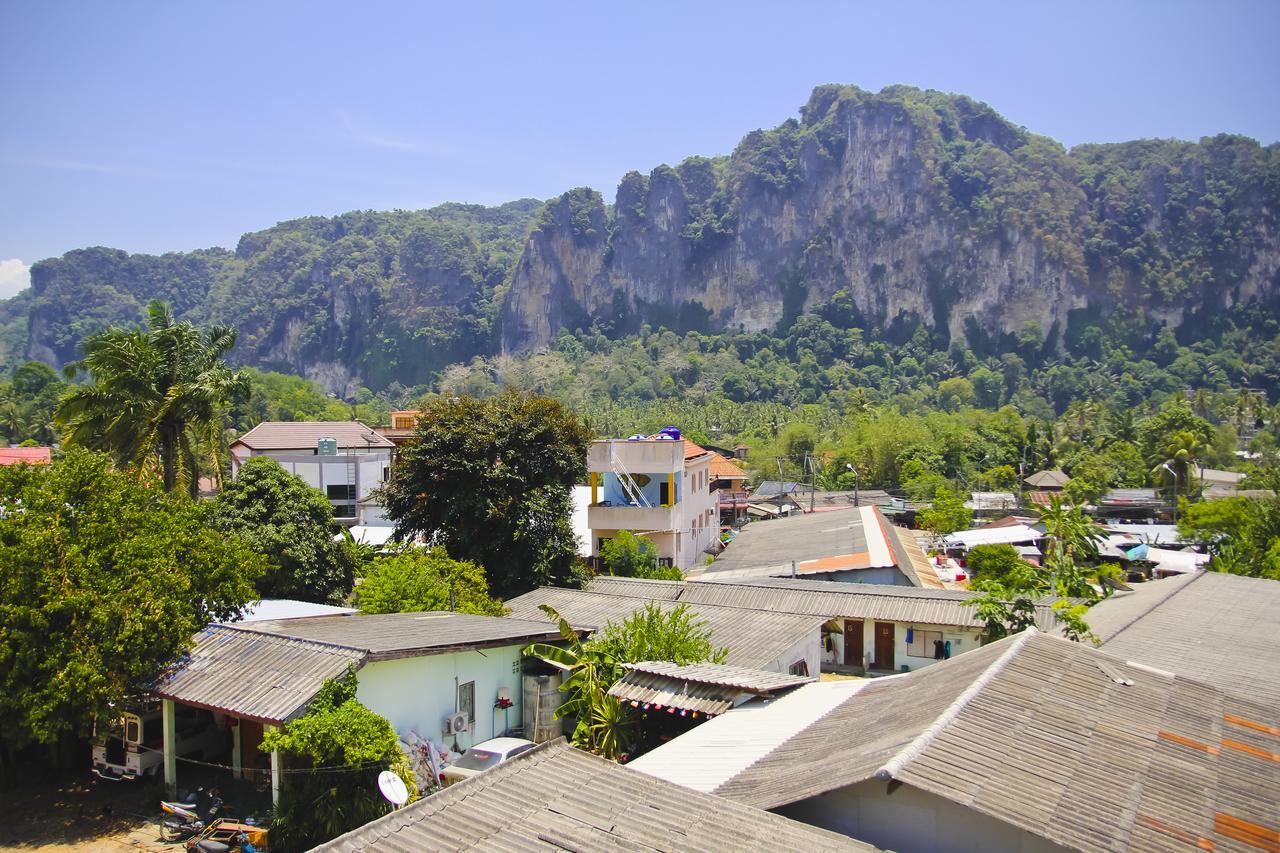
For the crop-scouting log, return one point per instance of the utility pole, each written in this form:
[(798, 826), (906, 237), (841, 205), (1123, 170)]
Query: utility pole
[(813, 478)]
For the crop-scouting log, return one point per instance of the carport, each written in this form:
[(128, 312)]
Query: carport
[(258, 681)]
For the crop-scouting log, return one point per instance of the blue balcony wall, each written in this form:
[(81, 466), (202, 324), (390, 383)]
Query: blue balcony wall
[(612, 491)]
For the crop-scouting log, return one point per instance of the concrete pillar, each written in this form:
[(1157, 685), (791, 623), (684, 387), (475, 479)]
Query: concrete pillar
[(275, 771), (170, 747), (237, 760)]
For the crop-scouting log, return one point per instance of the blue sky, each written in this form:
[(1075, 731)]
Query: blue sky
[(158, 127)]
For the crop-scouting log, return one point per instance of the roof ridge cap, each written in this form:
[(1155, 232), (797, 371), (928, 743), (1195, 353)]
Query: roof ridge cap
[(891, 768), (262, 632)]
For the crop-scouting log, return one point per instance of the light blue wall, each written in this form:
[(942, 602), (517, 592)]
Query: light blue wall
[(612, 490)]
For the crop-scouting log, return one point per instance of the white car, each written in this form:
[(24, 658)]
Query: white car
[(482, 756)]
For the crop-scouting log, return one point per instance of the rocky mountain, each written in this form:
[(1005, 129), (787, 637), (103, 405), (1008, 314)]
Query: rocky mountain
[(911, 207), (887, 211)]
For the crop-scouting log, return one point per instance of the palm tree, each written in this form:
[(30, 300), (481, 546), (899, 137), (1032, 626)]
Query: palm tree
[(1179, 453), (158, 397)]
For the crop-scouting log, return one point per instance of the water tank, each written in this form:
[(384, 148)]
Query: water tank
[(670, 432), (327, 447), (542, 697)]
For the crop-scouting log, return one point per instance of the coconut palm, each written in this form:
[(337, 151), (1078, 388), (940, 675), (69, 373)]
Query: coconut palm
[(157, 398), (1179, 453)]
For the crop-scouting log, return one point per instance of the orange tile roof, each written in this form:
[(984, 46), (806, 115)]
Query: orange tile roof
[(30, 455), (725, 469), (693, 451)]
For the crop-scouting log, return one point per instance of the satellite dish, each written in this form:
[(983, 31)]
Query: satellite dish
[(392, 787)]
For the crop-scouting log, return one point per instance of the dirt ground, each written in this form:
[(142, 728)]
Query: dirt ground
[(81, 815)]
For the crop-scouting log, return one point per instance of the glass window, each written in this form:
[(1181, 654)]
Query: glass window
[(800, 667), (344, 511), (921, 645), (131, 731), (341, 492), (478, 759), (467, 700)]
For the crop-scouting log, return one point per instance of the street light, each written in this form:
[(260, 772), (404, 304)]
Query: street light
[(1165, 466), (855, 482)]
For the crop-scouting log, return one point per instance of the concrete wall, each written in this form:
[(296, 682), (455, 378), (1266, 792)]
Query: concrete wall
[(809, 649), (362, 470), (910, 819), (420, 693), (962, 640), (637, 457)]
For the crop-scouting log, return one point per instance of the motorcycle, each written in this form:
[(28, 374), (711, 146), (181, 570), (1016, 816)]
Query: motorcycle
[(189, 815)]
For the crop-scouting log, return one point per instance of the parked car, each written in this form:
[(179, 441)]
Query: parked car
[(482, 756), (134, 745)]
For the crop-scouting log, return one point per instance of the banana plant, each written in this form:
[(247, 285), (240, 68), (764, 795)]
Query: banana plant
[(588, 673)]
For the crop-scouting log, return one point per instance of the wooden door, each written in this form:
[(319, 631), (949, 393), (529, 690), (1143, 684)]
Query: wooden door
[(853, 642), (884, 646)]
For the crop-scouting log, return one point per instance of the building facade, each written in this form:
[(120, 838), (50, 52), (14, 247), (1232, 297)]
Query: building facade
[(346, 460), (658, 487)]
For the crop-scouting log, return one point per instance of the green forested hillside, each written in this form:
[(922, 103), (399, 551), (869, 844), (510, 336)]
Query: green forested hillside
[(383, 296)]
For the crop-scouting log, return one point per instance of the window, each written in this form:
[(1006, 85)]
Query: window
[(800, 667), (921, 645), (467, 700), (341, 492), (344, 511), (664, 493)]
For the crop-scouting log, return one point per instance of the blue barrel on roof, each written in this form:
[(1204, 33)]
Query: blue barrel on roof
[(670, 432)]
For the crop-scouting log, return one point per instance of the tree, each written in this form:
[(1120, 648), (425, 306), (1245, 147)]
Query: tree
[(346, 746), (158, 397), (489, 480), (1072, 537), (595, 665), (425, 579), (1242, 534), (629, 556), (291, 524), (948, 513), (992, 562), (104, 582)]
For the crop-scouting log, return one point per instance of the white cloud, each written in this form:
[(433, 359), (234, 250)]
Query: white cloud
[(14, 276)]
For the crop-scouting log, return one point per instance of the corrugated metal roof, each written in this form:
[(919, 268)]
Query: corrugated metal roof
[(754, 639), (644, 689), (1219, 628), (555, 797), (254, 675), (385, 635), (1051, 737), (657, 590), (881, 602), (739, 677), (287, 608), (1015, 534), (303, 435), (1054, 479)]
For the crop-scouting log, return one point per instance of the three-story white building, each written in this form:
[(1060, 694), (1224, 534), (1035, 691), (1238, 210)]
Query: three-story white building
[(658, 487)]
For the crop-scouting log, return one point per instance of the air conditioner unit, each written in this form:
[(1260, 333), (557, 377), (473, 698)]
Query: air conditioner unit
[(456, 723)]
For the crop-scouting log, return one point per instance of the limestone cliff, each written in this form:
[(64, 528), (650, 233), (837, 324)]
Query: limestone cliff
[(916, 207)]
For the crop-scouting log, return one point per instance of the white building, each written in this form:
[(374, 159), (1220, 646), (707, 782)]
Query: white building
[(344, 459), (658, 487), (419, 670)]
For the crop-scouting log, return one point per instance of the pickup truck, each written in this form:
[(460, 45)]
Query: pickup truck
[(134, 744)]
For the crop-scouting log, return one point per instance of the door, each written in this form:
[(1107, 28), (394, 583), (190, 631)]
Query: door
[(853, 642), (884, 646)]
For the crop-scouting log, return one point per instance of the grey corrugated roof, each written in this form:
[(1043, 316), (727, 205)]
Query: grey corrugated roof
[(1055, 738), (883, 602), (643, 689), (254, 675), (657, 590), (754, 639), (739, 677), (303, 435), (1055, 478), (556, 797), (385, 635), (1219, 628)]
